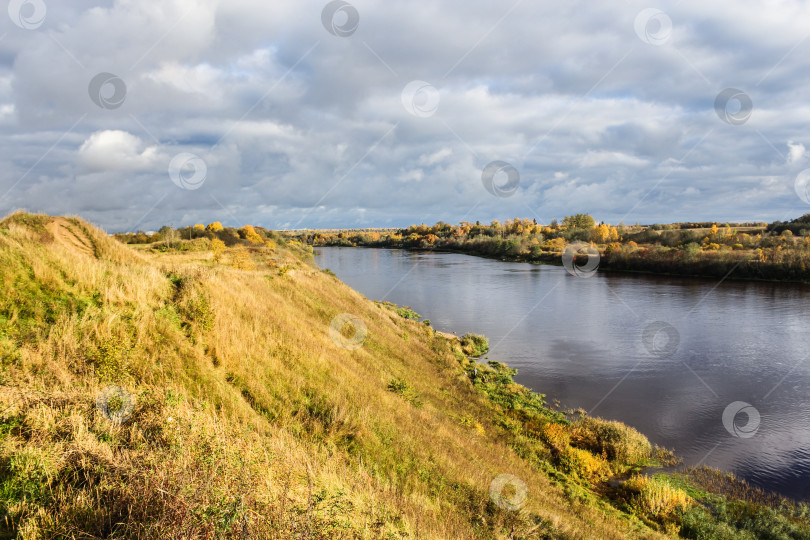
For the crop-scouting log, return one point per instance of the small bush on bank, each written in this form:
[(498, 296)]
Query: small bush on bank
[(584, 465), (556, 436), (403, 311), (474, 345), (617, 441), (655, 499)]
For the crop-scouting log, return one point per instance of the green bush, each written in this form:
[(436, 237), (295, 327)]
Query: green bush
[(698, 523), (404, 311), (474, 345)]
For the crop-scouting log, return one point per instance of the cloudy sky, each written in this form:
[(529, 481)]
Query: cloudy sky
[(138, 113)]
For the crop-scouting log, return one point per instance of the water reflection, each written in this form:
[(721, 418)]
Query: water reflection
[(580, 341)]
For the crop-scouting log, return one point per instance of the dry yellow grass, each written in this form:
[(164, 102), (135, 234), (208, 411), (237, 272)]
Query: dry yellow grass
[(248, 419), (657, 499)]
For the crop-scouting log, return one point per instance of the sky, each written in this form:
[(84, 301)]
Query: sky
[(314, 114)]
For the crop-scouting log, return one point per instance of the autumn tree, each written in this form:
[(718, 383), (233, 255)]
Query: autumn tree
[(249, 233), (431, 239), (604, 233), (214, 227)]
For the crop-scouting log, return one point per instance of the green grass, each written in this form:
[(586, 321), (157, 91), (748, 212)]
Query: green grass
[(403, 311)]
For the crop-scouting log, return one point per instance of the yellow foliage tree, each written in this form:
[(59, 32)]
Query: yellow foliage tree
[(214, 227), (249, 233), (199, 227), (604, 233)]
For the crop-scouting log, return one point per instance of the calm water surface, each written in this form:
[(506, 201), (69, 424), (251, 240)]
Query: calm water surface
[(579, 341)]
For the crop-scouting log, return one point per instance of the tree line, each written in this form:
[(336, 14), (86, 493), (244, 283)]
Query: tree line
[(753, 250)]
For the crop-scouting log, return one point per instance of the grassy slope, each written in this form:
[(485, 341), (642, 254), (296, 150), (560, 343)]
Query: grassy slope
[(248, 421)]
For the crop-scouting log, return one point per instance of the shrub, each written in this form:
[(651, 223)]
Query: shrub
[(612, 248), (218, 247), (404, 311), (584, 465), (556, 436), (692, 249), (697, 522), (242, 260), (249, 233), (614, 440), (474, 344), (555, 245), (656, 499)]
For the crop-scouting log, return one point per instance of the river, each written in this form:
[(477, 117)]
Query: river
[(717, 372)]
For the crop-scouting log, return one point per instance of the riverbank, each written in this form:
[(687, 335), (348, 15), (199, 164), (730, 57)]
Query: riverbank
[(585, 343), (748, 251), (613, 462), (734, 269), (132, 379)]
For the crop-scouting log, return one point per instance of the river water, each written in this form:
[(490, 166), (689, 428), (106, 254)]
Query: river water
[(718, 372)]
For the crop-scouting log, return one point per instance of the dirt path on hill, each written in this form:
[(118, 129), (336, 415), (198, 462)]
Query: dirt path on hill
[(71, 237)]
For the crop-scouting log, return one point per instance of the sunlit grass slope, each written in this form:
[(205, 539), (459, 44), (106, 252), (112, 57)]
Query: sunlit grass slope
[(163, 395)]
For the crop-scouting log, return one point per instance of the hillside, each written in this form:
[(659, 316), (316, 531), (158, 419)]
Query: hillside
[(160, 393)]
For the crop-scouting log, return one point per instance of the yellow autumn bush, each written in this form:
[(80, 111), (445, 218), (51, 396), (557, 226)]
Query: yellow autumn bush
[(556, 436), (614, 440), (218, 248), (249, 233), (656, 498), (584, 465)]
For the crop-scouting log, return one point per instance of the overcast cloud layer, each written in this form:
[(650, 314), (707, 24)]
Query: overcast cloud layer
[(136, 114)]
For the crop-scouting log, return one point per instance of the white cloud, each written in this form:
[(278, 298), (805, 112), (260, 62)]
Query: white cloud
[(796, 152), (597, 158), (415, 175), (199, 79), (428, 160), (114, 150)]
